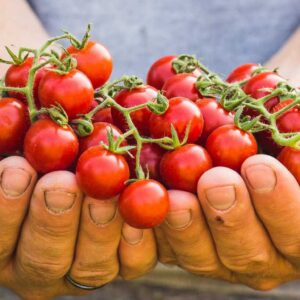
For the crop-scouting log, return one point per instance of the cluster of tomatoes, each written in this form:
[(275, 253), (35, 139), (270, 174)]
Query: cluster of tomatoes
[(205, 133)]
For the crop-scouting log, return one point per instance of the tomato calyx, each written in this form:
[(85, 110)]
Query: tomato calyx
[(185, 64), (77, 43)]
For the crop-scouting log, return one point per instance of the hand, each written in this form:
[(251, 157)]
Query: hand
[(57, 230), (256, 242)]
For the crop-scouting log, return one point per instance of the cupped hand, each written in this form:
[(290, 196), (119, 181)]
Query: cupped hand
[(49, 229), (243, 229)]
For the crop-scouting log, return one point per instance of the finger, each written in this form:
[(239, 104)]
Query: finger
[(189, 237), (17, 179), (276, 197), (137, 252), (96, 260), (48, 236)]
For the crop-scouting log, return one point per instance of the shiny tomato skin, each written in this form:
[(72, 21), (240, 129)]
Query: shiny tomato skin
[(242, 72), (144, 204), (14, 123), (229, 146), (49, 147), (73, 91), (214, 116), (129, 98), (102, 115), (95, 61), (181, 85), (180, 113), (99, 135), (101, 174), (182, 167), (290, 158)]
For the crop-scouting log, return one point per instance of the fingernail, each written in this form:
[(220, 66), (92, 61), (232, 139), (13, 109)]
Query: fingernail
[(132, 235), (103, 212), (15, 181), (179, 219), (221, 198), (261, 177), (59, 201)]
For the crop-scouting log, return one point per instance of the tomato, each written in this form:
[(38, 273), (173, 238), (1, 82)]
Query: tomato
[(144, 204), (180, 113), (95, 61), (181, 85), (99, 135), (182, 167), (102, 115), (214, 116), (290, 158), (229, 146), (17, 76), (14, 123), (100, 173), (73, 91), (129, 98), (242, 72), (150, 158), (49, 147)]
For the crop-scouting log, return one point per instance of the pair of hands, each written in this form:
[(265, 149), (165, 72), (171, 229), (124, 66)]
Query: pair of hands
[(243, 229)]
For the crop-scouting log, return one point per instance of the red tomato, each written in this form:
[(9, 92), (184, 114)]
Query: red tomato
[(242, 72), (103, 115), (180, 113), (214, 116), (144, 204), (14, 123), (49, 147), (150, 158), (181, 85), (17, 76), (129, 98), (73, 91), (182, 168), (99, 135), (229, 146), (101, 174), (290, 158)]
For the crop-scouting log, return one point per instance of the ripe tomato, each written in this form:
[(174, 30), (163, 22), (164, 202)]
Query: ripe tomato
[(129, 98), (17, 76), (99, 135), (214, 116), (101, 174), (102, 115), (14, 123), (144, 204), (229, 146), (181, 85), (182, 167), (150, 158), (180, 113), (290, 158), (242, 72), (95, 61), (49, 147), (73, 91)]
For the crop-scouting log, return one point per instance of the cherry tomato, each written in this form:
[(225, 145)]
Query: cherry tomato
[(49, 147), (102, 115), (100, 173), (242, 72), (182, 167), (214, 116), (17, 76), (180, 113), (14, 123), (144, 204), (73, 91), (95, 61), (129, 98), (229, 146), (181, 85), (290, 158), (99, 135)]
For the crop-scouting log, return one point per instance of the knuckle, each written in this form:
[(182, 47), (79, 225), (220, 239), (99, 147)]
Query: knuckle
[(209, 270)]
